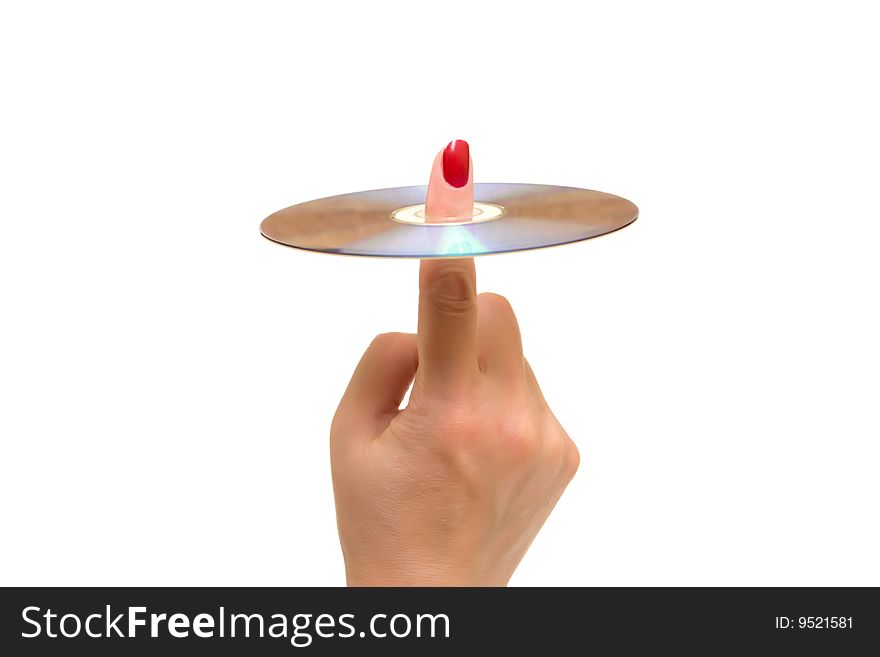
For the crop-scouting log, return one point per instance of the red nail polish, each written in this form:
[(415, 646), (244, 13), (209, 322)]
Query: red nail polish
[(457, 163)]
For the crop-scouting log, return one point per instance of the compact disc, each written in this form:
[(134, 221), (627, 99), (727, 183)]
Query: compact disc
[(391, 223)]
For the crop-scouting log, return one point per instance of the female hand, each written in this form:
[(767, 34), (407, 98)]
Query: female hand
[(452, 489)]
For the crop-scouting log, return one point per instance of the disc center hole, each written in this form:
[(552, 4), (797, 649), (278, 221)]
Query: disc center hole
[(415, 214)]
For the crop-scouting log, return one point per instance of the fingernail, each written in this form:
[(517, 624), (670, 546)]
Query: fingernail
[(456, 163)]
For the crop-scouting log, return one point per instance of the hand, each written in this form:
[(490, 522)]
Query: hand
[(452, 489)]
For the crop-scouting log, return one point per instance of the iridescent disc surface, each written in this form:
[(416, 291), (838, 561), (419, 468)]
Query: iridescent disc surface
[(377, 222)]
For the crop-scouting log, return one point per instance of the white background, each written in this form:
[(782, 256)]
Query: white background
[(167, 376)]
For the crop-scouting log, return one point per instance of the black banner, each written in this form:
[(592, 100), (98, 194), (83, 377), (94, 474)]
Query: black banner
[(327, 621)]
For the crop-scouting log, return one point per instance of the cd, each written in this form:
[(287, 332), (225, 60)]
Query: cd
[(391, 223)]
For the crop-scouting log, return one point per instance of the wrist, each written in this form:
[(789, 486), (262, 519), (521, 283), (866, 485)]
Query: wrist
[(430, 576)]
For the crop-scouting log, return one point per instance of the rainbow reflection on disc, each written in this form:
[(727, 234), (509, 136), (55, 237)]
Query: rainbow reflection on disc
[(390, 223)]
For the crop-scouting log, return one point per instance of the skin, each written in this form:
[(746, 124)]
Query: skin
[(452, 489)]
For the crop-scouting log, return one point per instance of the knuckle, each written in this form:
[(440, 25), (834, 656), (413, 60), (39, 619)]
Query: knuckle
[(456, 425), (457, 428), (572, 460), (385, 341), (340, 425), (496, 301), (451, 291), (554, 449), (519, 440)]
